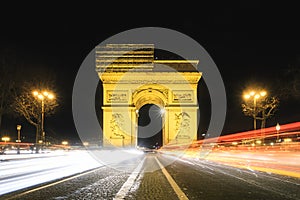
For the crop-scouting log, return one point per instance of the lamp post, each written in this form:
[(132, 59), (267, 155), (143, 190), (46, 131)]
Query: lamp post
[(255, 96), (19, 137), (19, 132), (42, 96), (277, 129)]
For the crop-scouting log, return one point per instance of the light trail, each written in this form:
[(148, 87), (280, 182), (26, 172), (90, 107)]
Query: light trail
[(52, 184), (266, 150), (24, 173), (279, 162), (19, 171)]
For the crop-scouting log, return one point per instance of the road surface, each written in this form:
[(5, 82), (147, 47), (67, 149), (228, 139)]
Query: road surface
[(144, 176)]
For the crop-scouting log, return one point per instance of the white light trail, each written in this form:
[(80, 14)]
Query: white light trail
[(26, 172)]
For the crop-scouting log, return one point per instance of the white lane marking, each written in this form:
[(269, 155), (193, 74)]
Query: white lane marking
[(174, 185), (130, 181)]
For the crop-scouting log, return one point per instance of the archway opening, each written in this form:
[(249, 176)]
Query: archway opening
[(150, 126)]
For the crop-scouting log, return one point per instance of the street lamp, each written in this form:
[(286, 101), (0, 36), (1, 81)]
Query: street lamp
[(85, 144), (255, 96), (277, 129), (5, 139), (42, 96), (19, 137), (19, 133)]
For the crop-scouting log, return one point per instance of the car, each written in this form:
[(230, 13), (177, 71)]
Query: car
[(147, 149)]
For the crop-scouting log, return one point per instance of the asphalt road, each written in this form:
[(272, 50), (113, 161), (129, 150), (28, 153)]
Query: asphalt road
[(144, 178)]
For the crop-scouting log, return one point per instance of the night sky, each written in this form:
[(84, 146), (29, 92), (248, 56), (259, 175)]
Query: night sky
[(251, 43)]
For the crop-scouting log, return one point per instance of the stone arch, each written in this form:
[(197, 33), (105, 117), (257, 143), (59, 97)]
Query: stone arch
[(150, 94), (134, 79)]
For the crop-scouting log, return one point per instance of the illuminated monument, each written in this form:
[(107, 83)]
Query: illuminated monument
[(132, 78)]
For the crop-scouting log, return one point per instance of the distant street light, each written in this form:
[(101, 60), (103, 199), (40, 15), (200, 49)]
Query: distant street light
[(65, 144), (19, 137), (287, 140), (19, 133), (277, 129), (255, 96), (42, 96), (5, 139), (258, 141), (85, 143)]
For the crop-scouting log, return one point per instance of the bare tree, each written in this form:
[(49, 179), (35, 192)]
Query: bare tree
[(289, 83), (262, 109), (8, 84), (5, 93), (26, 105), (269, 107)]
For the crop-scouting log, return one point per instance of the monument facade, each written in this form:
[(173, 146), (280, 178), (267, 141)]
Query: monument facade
[(132, 78)]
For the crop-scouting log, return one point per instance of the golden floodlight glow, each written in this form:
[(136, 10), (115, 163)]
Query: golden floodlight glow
[(40, 96), (45, 93), (5, 139), (256, 96), (252, 93), (35, 93), (258, 142), (50, 96), (246, 96), (287, 139), (19, 127), (263, 93)]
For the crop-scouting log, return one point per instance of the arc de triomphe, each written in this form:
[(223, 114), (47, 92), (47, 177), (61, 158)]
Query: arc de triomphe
[(132, 78)]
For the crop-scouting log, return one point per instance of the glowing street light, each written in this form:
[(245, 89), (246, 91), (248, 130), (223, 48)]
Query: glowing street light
[(85, 144), (5, 139), (19, 137), (64, 142), (42, 96), (255, 95), (287, 140), (258, 141), (19, 133)]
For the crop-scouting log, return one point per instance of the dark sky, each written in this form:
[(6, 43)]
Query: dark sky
[(250, 42)]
